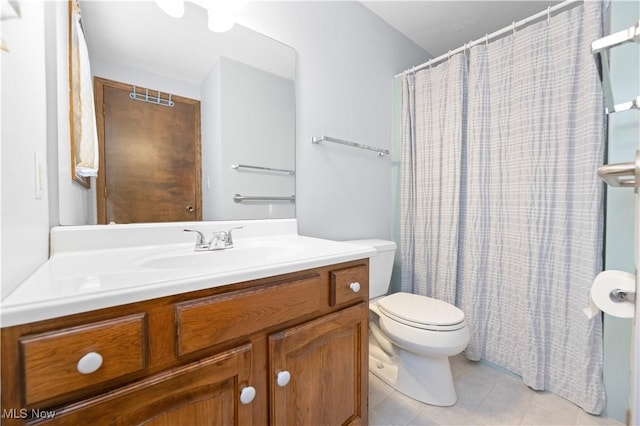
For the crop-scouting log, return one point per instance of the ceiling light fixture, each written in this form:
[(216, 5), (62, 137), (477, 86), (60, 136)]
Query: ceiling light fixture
[(221, 13), (173, 8), (220, 22)]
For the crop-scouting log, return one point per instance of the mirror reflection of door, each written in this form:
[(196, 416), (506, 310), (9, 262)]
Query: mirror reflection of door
[(150, 167)]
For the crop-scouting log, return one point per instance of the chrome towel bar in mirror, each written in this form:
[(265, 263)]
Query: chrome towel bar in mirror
[(317, 139), (260, 168)]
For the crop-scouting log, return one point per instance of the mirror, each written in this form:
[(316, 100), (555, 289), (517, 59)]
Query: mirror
[(242, 84)]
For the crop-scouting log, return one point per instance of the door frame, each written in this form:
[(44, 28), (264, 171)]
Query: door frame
[(99, 84)]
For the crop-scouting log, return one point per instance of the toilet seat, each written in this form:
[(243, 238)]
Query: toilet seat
[(421, 312)]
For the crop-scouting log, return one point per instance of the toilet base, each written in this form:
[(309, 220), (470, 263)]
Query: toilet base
[(426, 379)]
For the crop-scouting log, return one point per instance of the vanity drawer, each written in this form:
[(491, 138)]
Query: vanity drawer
[(51, 361), (209, 321), (349, 284)]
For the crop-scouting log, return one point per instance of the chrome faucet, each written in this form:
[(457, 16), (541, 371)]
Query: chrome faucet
[(221, 240), (201, 243)]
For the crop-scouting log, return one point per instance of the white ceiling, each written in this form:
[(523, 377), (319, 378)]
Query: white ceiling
[(440, 26)]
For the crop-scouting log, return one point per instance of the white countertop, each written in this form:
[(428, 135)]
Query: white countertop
[(95, 267)]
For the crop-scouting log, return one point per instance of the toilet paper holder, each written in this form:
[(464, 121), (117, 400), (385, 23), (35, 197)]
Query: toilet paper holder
[(618, 295)]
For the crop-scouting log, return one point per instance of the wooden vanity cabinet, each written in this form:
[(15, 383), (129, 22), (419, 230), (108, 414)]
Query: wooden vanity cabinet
[(204, 392), (319, 369), (196, 358)]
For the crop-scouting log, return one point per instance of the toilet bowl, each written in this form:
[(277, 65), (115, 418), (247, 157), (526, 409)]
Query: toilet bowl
[(411, 337)]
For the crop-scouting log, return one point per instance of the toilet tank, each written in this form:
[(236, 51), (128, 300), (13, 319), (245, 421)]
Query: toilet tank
[(380, 265)]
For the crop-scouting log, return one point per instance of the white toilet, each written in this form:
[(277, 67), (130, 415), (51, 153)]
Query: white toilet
[(411, 337)]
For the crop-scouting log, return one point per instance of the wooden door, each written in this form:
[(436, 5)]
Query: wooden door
[(204, 393), (149, 157), (327, 360)]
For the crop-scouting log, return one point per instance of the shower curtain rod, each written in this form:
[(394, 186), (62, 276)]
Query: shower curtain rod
[(513, 27)]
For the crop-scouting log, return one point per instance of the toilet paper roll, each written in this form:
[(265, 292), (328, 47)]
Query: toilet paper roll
[(601, 294)]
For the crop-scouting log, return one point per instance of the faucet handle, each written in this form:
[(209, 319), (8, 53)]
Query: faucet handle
[(229, 238), (218, 240), (201, 243)]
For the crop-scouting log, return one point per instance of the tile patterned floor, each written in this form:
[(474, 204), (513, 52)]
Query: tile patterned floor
[(486, 396)]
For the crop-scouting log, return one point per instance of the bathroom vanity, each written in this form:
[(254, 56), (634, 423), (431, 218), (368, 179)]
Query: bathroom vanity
[(283, 347)]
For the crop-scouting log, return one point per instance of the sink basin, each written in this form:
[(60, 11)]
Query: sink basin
[(245, 252), (98, 267)]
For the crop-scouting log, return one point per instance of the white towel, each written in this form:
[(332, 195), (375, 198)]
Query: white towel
[(86, 134)]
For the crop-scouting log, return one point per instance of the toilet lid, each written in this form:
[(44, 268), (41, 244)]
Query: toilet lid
[(420, 310)]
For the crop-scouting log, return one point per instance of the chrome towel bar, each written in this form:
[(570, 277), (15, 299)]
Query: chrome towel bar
[(600, 50), (621, 37), (240, 198), (632, 104), (621, 174), (318, 139), (264, 169)]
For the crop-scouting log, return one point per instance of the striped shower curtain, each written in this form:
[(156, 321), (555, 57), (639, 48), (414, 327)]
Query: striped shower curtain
[(524, 227), (431, 171)]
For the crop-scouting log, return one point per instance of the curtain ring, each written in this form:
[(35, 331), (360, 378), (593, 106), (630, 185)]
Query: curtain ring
[(486, 39), (513, 28), (448, 55), (429, 63), (467, 48), (548, 15)]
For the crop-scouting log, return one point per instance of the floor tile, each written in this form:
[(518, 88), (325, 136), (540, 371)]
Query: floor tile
[(538, 415), (375, 419), (472, 390), (454, 415), (506, 404), (549, 409), (378, 390), (486, 396), (460, 364), (422, 420), (398, 408), (585, 419), (485, 373)]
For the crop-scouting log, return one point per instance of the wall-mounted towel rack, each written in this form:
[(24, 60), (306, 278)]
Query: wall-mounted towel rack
[(622, 174), (145, 97), (633, 104), (600, 49), (264, 169), (318, 139), (240, 198), (616, 39)]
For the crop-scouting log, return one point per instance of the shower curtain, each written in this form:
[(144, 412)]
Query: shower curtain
[(529, 229), (430, 204)]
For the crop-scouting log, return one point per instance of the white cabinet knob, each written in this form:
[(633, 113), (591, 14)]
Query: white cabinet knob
[(283, 378), (89, 363), (247, 394), (355, 287)]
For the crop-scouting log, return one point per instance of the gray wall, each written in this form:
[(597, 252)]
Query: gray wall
[(253, 124), (210, 106), (346, 58), (25, 219)]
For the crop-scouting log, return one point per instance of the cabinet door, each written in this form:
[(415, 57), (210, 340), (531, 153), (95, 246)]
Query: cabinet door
[(206, 392), (326, 362)]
